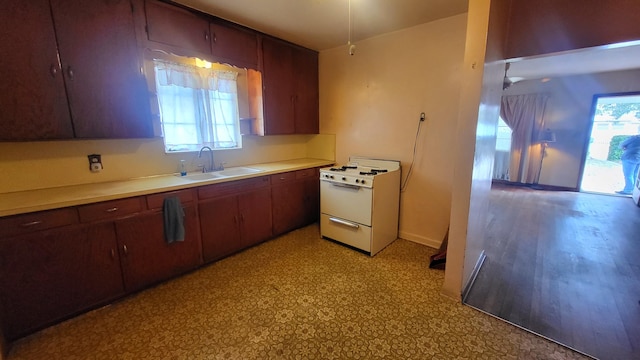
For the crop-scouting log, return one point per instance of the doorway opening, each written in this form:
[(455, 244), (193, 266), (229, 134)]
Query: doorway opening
[(615, 117)]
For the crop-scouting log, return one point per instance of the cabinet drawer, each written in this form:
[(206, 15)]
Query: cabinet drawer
[(156, 201), (110, 209), (307, 173), (283, 178), (232, 187), (26, 223)]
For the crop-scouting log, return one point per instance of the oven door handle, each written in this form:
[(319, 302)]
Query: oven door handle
[(344, 222), (348, 186)]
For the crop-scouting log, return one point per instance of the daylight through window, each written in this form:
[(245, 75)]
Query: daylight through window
[(198, 107)]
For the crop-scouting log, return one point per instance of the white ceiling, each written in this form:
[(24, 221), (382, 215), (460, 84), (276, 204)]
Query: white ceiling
[(584, 61), (324, 24)]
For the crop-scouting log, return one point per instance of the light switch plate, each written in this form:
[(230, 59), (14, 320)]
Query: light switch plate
[(95, 162)]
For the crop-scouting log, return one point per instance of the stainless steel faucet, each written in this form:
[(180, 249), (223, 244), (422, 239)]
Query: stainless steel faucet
[(211, 163)]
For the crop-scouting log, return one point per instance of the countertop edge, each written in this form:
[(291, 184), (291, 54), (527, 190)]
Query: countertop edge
[(28, 201)]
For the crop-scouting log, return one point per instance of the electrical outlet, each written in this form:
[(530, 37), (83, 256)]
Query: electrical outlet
[(95, 162), (422, 116)]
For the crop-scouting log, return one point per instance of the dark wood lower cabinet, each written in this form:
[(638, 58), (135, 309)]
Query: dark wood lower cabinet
[(296, 200), (52, 274), (55, 264), (234, 222), (146, 256)]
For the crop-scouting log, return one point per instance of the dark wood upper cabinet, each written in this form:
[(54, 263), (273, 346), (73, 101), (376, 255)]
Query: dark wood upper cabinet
[(69, 70), (105, 87), (306, 84), (278, 87), (171, 25), (233, 45), (290, 85), (33, 103)]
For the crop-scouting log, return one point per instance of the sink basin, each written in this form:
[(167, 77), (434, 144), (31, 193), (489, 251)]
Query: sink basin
[(237, 171), (201, 176)]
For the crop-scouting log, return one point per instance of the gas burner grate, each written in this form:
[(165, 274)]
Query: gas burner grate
[(373, 172), (343, 168)]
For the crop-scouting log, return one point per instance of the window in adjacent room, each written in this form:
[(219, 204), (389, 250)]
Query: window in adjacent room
[(198, 106)]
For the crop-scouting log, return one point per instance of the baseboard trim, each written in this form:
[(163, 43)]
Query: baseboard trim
[(474, 275), (432, 243)]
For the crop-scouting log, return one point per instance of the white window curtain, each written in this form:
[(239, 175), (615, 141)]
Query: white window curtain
[(198, 106), (525, 116)]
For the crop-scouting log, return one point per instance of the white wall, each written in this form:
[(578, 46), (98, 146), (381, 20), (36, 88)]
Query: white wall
[(372, 101), (568, 114)]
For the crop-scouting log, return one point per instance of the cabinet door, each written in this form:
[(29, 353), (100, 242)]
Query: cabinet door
[(33, 103), (105, 87), (311, 200), (52, 274), (219, 226), (234, 46), (288, 205), (306, 104), (255, 216), (278, 86), (173, 26), (147, 258)]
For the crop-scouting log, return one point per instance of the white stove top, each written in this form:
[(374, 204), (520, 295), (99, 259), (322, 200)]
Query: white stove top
[(359, 171)]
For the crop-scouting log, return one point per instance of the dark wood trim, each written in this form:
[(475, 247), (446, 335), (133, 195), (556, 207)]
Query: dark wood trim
[(533, 186), (474, 275)]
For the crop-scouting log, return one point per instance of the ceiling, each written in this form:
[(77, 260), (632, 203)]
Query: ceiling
[(324, 24), (583, 61)]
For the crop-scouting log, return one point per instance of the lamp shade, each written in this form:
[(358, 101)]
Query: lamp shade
[(547, 136)]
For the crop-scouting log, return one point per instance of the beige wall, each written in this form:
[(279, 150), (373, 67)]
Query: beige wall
[(568, 114), (372, 101), (34, 165)]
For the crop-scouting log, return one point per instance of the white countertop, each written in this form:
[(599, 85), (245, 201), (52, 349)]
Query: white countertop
[(53, 198)]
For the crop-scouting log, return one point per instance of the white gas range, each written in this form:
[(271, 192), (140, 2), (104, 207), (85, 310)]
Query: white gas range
[(360, 203)]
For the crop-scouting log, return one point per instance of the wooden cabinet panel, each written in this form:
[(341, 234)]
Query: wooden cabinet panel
[(110, 209), (306, 104), (234, 46), (296, 199), (219, 224), (255, 216), (33, 103), (52, 274), (173, 26), (291, 104), (147, 258), (106, 91), (278, 85), (42, 220), (237, 215)]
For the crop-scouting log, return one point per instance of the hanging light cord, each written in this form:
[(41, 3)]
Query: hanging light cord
[(413, 159)]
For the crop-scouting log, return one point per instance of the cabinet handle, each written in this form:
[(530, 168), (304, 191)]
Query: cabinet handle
[(54, 70), (113, 253), (206, 36), (125, 250), (113, 209), (215, 38), (70, 72), (31, 223)]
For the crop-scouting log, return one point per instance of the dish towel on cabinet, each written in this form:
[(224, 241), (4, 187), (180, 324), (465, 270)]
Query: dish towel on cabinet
[(173, 220)]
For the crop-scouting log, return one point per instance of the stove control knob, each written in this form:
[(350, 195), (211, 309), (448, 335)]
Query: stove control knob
[(357, 181), (331, 176), (344, 178), (362, 181)]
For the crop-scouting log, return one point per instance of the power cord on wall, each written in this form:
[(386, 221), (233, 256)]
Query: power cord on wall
[(413, 158)]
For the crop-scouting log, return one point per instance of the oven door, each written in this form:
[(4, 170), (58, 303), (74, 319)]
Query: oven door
[(348, 202)]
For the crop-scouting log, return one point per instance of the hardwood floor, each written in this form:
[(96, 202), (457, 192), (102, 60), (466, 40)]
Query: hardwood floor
[(565, 265)]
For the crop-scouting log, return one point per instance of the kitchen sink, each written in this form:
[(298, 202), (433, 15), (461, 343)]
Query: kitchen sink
[(226, 173), (238, 171), (201, 176)]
